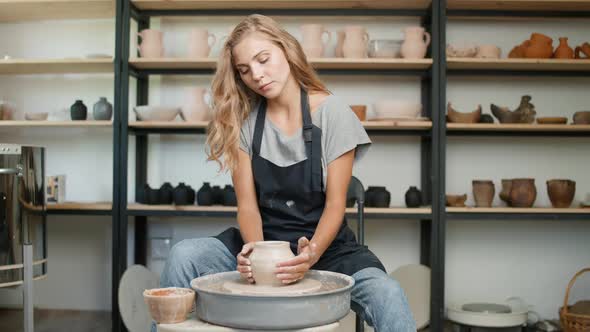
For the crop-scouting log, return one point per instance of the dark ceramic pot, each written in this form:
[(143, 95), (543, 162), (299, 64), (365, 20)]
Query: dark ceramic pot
[(561, 192), (151, 196), (166, 195), (78, 111), (377, 197), (205, 195), (413, 197), (217, 194), (229, 196), (102, 109), (523, 193), (486, 118), (184, 195)]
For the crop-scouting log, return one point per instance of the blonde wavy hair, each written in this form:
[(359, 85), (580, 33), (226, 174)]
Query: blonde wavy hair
[(233, 100)]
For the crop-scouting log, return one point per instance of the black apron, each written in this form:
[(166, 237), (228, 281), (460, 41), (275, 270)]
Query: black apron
[(291, 202)]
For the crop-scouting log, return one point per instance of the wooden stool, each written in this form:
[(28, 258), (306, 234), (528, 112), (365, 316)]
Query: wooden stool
[(194, 324)]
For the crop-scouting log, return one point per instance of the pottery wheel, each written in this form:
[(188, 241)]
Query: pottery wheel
[(242, 287)]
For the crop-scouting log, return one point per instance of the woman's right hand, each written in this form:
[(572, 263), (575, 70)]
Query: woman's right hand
[(244, 263)]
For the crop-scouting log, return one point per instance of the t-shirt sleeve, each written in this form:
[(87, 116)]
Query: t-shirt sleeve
[(344, 132), (246, 138)]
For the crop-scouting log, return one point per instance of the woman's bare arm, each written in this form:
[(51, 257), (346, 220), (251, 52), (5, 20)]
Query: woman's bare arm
[(249, 218)]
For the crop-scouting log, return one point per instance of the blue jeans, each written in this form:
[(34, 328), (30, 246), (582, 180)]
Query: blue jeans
[(376, 297)]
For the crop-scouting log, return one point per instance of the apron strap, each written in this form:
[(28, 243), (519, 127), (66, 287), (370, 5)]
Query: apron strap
[(313, 146), (259, 127)]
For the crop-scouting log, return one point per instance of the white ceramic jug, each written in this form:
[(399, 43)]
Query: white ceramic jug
[(415, 45), (355, 42), (200, 42), (312, 42), (151, 45)]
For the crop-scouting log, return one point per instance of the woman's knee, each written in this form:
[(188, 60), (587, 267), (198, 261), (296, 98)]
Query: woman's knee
[(192, 250)]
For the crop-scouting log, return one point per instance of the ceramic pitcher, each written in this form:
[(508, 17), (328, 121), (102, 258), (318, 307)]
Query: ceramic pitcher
[(355, 43), (195, 107), (339, 43), (415, 43), (151, 45), (312, 42), (200, 42)]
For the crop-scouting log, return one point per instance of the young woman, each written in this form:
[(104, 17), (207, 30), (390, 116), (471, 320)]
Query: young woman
[(290, 146)]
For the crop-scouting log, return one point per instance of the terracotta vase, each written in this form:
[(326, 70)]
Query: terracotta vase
[(355, 42), (563, 51), (505, 193), (518, 51), (200, 42), (540, 47), (483, 192), (195, 108), (151, 45), (561, 192), (523, 193), (263, 260), (339, 42), (585, 49), (312, 42), (415, 43)]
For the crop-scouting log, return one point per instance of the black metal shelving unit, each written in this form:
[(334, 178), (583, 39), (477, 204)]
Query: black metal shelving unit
[(430, 158), (433, 140)]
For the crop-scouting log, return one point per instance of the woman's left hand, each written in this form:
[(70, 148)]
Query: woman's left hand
[(294, 269)]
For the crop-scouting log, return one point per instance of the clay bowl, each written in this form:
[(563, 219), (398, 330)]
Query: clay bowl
[(397, 109), (36, 116), (561, 192), (360, 111), (456, 200), (169, 305), (460, 117), (552, 120), (156, 113), (461, 50), (582, 117)]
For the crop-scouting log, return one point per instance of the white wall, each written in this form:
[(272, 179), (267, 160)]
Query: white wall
[(486, 260)]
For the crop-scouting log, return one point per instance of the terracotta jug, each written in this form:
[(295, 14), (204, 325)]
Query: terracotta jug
[(355, 42), (563, 51), (200, 42), (263, 260), (339, 43), (195, 108), (540, 47), (313, 44), (523, 193), (151, 45), (483, 192), (415, 43), (585, 49)]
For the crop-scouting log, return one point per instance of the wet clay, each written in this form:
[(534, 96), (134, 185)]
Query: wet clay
[(242, 287)]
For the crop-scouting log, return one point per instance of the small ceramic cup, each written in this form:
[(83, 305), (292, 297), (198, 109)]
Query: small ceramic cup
[(488, 51)]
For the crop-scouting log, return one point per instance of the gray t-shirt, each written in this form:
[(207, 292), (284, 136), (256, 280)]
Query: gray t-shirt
[(341, 132)]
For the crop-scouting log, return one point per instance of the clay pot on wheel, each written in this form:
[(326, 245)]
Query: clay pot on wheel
[(483, 192), (561, 192), (263, 260), (523, 193)]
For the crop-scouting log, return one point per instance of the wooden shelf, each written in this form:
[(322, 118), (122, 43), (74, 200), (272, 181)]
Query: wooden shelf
[(369, 125), (516, 127), (56, 124), (80, 206), (538, 5), (172, 210), (55, 66), (540, 210), (27, 10), (280, 4), (519, 64), (318, 63)]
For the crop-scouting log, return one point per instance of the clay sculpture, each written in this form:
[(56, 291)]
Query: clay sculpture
[(525, 113)]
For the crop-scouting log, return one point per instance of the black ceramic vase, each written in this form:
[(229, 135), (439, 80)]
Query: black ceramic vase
[(166, 195), (183, 195), (217, 195), (150, 196), (413, 197), (377, 197), (78, 111), (205, 195), (229, 196)]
